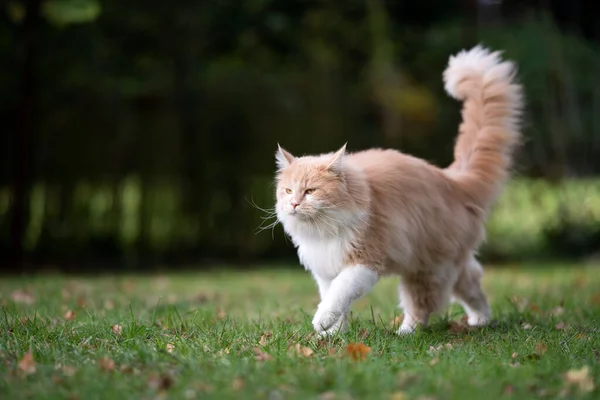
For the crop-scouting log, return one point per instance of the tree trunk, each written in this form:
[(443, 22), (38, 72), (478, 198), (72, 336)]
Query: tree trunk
[(26, 113)]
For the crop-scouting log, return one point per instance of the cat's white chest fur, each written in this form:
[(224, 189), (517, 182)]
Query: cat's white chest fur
[(323, 257)]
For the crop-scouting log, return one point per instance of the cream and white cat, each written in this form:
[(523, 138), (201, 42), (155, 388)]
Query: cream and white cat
[(357, 217)]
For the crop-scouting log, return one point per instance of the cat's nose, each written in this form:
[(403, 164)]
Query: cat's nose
[(294, 204)]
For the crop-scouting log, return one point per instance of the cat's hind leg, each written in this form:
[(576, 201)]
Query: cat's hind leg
[(422, 294), (467, 291)]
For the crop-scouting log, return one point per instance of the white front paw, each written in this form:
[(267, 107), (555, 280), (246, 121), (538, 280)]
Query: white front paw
[(325, 318), (339, 327)]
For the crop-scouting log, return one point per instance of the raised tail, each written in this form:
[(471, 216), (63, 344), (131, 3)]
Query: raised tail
[(490, 131)]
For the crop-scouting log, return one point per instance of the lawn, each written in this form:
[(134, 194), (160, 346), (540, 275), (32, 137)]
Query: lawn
[(248, 335)]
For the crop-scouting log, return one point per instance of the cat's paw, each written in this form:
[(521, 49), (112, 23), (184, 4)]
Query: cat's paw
[(478, 320), (325, 318), (340, 326)]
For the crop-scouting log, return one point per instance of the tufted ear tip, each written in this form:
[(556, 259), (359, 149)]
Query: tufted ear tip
[(336, 161), (283, 158)]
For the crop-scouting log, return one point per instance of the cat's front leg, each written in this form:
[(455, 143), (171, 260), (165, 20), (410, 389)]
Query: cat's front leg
[(341, 325), (350, 285)]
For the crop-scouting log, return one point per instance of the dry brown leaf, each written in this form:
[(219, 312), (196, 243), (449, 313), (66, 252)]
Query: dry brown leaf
[(560, 326), (260, 355), (515, 355), (238, 384), (327, 396), (263, 341), (509, 389), (69, 315), (357, 351), (21, 296), (556, 311), (581, 378), (106, 364), (303, 351), (363, 334), (159, 382), (170, 347), (541, 348), (397, 321), (221, 314), (117, 329), (535, 308), (398, 396), (332, 351), (458, 327), (27, 363), (67, 370)]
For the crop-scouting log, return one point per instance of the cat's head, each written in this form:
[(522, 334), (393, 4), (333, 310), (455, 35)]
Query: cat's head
[(312, 189)]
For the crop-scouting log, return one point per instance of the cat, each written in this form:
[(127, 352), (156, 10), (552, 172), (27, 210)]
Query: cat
[(358, 217)]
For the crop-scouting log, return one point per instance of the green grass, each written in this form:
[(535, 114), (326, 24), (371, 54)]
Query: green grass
[(231, 335)]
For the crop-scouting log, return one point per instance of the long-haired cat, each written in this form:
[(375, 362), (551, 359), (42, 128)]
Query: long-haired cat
[(357, 217)]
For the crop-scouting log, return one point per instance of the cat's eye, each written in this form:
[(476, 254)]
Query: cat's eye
[(309, 191), (288, 191)]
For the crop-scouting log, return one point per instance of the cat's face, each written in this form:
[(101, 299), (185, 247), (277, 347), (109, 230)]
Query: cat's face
[(309, 188)]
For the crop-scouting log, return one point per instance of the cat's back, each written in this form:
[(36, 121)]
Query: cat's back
[(388, 165)]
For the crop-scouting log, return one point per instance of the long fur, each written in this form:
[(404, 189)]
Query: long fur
[(355, 217)]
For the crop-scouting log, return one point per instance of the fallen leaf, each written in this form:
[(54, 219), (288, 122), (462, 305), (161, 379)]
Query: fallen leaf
[(69, 315), (170, 348), (581, 378), (238, 384), (117, 329), (259, 355), (332, 351), (303, 351), (527, 327), (221, 314), (534, 308), (21, 296), (515, 355), (106, 364), (541, 348), (327, 396), (263, 341), (560, 326), (458, 327), (159, 382), (27, 363), (363, 334), (357, 351), (67, 370), (397, 321), (556, 311), (398, 396)]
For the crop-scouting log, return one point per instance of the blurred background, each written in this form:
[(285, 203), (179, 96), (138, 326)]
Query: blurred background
[(141, 134)]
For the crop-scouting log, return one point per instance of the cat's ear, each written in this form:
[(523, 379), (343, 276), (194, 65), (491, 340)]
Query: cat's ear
[(283, 158), (335, 163)]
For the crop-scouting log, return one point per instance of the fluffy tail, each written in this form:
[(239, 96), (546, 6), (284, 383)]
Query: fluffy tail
[(489, 132)]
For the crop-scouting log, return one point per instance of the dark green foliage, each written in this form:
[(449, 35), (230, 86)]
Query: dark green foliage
[(155, 124)]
